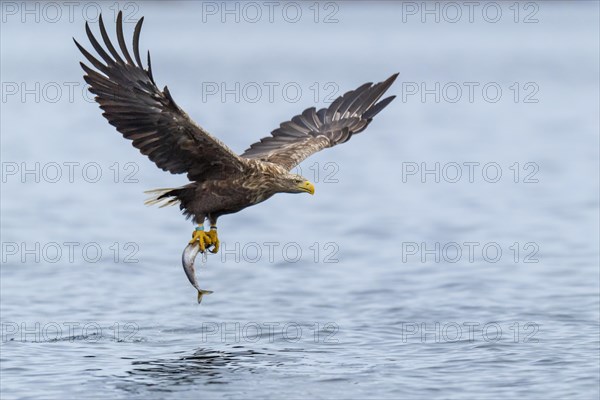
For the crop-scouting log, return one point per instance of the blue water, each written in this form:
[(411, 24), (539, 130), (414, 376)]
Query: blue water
[(416, 270)]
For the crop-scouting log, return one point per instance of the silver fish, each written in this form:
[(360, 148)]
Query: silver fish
[(187, 259)]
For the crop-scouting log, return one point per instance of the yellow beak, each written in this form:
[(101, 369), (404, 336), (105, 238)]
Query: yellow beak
[(306, 186)]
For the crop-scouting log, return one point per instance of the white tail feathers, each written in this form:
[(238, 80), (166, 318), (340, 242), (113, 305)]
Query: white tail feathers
[(157, 198)]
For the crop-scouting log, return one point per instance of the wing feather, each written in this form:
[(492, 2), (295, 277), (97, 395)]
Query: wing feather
[(107, 42), (136, 42), (147, 116), (313, 130), (121, 38)]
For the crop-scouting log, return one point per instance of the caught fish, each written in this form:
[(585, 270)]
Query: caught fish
[(187, 259)]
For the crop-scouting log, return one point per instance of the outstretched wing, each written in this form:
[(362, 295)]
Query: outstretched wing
[(314, 130), (148, 116)]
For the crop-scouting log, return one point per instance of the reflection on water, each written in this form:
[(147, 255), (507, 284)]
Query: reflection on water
[(206, 365)]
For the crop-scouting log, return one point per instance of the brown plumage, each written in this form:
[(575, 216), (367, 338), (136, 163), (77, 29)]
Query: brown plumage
[(222, 182)]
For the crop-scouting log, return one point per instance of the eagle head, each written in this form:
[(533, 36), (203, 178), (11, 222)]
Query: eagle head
[(292, 183)]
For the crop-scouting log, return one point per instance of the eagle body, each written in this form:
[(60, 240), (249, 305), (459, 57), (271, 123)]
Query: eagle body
[(221, 181), (211, 198)]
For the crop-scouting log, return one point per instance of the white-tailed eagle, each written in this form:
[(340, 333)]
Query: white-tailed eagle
[(221, 182)]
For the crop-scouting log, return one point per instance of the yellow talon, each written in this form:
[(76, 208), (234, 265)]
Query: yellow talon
[(206, 240), (214, 240), (203, 239)]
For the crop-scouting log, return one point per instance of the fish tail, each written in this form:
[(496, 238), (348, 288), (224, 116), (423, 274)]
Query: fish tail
[(201, 293)]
